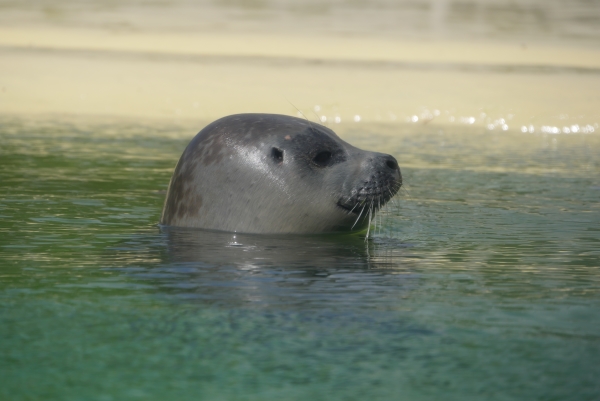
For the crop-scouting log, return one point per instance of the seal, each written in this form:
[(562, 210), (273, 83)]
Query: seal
[(270, 173)]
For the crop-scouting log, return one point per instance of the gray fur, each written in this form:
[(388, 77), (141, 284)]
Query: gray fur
[(230, 178)]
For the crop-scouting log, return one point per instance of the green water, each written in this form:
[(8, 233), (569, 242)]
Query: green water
[(480, 283)]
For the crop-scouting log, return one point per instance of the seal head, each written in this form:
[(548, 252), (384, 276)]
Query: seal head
[(269, 173)]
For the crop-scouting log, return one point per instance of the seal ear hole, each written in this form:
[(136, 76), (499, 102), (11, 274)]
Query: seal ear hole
[(277, 155), (323, 159)]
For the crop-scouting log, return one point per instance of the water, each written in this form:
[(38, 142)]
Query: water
[(481, 281)]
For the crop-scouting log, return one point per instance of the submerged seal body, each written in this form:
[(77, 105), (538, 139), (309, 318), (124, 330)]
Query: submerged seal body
[(268, 173)]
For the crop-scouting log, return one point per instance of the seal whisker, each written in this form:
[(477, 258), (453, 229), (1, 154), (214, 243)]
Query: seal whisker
[(396, 206), (393, 191), (380, 214), (375, 223), (387, 187), (373, 216), (363, 209), (301, 113), (405, 189), (385, 206), (369, 226), (392, 200), (368, 208)]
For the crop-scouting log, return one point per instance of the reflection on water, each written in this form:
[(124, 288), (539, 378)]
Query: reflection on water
[(482, 281), (299, 272)]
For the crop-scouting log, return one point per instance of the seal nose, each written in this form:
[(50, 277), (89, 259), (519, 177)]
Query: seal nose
[(391, 162)]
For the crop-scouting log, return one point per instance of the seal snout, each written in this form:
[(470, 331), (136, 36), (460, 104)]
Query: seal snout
[(383, 180), (392, 164)]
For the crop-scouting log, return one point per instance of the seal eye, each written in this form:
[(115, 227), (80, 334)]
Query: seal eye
[(277, 155), (322, 159)]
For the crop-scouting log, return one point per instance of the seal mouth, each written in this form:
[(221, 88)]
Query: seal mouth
[(350, 208), (358, 206), (373, 200)]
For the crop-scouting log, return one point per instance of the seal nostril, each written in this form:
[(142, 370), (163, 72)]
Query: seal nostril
[(392, 164), (277, 155)]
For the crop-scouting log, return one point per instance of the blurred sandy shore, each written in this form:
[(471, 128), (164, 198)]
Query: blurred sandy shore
[(50, 70), (302, 47)]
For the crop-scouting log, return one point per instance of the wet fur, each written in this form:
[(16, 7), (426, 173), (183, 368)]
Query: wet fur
[(228, 179)]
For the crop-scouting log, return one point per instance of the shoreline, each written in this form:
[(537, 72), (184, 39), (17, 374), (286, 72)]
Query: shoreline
[(201, 76)]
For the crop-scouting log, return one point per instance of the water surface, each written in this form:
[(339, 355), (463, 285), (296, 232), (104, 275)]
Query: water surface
[(480, 282)]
